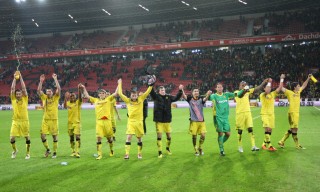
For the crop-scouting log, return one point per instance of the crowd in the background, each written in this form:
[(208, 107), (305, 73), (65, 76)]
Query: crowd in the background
[(204, 68), (253, 66)]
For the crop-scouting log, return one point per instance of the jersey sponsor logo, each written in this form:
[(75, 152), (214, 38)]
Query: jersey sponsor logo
[(222, 101)]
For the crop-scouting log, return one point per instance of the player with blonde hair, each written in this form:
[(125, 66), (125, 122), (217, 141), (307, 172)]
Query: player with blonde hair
[(103, 107)]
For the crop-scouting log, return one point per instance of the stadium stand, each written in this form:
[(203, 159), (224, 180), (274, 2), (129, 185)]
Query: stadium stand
[(203, 68)]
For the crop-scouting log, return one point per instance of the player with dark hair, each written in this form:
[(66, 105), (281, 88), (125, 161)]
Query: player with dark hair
[(20, 119), (162, 115), (267, 112), (221, 115), (135, 116), (293, 113), (243, 112), (50, 124), (197, 124), (73, 104), (103, 107)]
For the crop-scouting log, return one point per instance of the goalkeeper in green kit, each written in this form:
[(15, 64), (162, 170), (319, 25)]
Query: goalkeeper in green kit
[(220, 103)]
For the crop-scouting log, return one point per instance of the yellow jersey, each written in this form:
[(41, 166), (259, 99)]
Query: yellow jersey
[(102, 107), (113, 104), (74, 111), (20, 108), (267, 103), (50, 106), (294, 100), (135, 108), (243, 104)]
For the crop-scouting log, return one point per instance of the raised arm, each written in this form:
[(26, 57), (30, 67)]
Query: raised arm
[(122, 96), (242, 92), (153, 94), (179, 94), (115, 94), (85, 92), (39, 90), (23, 86), (262, 85), (58, 90), (207, 95), (13, 85), (281, 83), (304, 85), (146, 93), (184, 95), (66, 99), (80, 91)]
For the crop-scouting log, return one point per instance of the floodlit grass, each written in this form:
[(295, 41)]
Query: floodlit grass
[(284, 170)]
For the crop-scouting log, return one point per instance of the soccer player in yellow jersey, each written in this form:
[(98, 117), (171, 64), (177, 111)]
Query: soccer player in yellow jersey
[(135, 116), (74, 126), (112, 110), (20, 118), (293, 113), (103, 106), (243, 112), (267, 112), (50, 104)]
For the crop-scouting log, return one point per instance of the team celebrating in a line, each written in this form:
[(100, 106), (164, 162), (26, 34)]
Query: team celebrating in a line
[(105, 106)]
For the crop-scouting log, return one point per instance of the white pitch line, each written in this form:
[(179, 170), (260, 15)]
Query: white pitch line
[(256, 117), (316, 108), (314, 132)]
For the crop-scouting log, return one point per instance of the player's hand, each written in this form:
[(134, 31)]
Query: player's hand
[(42, 77), (269, 80), (282, 76), (152, 80), (119, 81), (181, 87), (209, 92), (80, 86), (16, 75), (266, 80), (54, 76), (309, 76)]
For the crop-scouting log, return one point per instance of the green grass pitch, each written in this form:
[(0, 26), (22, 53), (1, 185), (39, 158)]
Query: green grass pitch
[(284, 170)]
